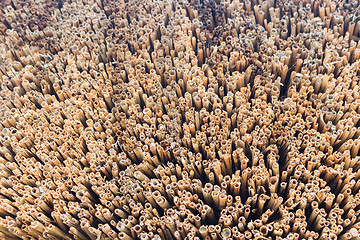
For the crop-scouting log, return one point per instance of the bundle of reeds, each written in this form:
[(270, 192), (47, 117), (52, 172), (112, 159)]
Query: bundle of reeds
[(158, 119)]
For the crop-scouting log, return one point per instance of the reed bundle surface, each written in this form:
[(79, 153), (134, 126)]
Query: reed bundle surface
[(179, 119)]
